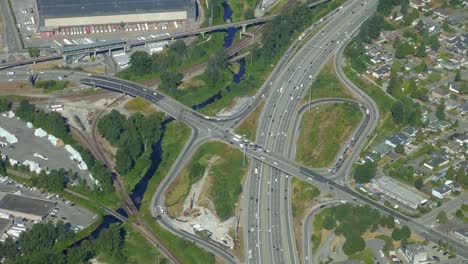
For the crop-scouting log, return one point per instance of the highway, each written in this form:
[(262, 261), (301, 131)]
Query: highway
[(269, 217)]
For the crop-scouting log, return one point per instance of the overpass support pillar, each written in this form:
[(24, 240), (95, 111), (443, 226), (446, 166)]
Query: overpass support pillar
[(94, 54), (110, 52), (203, 34), (243, 28)]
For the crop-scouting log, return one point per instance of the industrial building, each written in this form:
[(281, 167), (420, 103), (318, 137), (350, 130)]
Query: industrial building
[(25, 207), (56, 15), (398, 192)]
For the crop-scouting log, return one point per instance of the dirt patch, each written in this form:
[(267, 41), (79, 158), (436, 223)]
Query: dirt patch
[(47, 65), (98, 69)]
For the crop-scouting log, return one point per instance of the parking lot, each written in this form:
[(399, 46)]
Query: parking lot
[(37, 149), (26, 17), (76, 216)]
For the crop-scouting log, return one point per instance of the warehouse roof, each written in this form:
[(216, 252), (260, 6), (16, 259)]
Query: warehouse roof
[(25, 205), (79, 8), (388, 185)]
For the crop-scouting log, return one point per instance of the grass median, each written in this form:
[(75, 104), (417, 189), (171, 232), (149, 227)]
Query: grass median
[(225, 175), (249, 125), (323, 132), (327, 85)]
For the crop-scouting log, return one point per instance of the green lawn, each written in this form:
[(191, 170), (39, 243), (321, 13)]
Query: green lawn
[(226, 174), (176, 136), (242, 9), (303, 193), (378, 95), (327, 85), (139, 104), (249, 126), (52, 85), (323, 132)]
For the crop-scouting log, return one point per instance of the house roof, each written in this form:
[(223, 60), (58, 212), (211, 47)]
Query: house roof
[(443, 189), (463, 107), (437, 161), (409, 131)]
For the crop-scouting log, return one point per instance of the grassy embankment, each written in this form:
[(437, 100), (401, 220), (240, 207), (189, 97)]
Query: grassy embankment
[(302, 198), (138, 250), (248, 127), (243, 9), (383, 101), (52, 85), (176, 136), (139, 104), (323, 132), (317, 227), (327, 85), (225, 179)]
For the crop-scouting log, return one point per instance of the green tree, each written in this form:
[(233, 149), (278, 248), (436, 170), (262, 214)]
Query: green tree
[(446, 26), (398, 113), (110, 243), (457, 76), (450, 175), (170, 80), (365, 172), (462, 177), (434, 42), (34, 52), (400, 149), (216, 65), (421, 51), (459, 214), (419, 136), (385, 7), (329, 222), (442, 217), (353, 244), (420, 26), (440, 111), (5, 105), (419, 183), (140, 62)]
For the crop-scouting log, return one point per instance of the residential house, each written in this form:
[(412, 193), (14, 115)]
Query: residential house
[(455, 87), (441, 191), (462, 139), (451, 104), (440, 125), (410, 131), (439, 93), (382, 72), (448, 64), (452, 147), (463, 108), (442, 13), (381, 150), (444, 190), (416, 4), (436, 162), (439, 175), (397, 139), (415, 253)]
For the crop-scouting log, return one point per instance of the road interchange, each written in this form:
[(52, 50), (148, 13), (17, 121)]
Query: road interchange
[(277, 160)]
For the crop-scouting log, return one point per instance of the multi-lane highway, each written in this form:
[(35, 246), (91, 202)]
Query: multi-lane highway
[(270, 235)]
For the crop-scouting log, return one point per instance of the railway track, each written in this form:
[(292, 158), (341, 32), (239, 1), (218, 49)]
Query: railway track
[(231, 51)]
